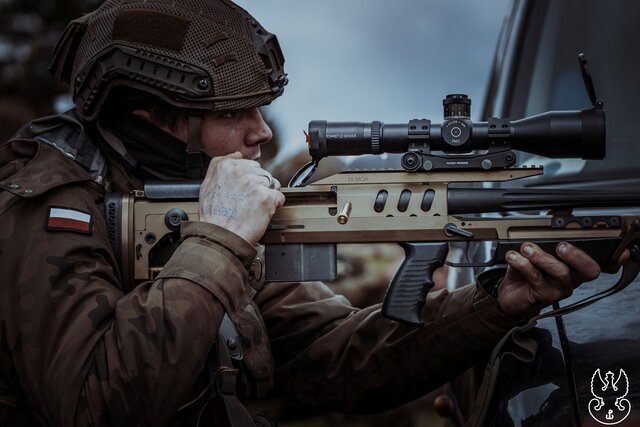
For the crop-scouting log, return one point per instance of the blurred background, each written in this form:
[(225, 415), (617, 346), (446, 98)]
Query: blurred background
[(353, 60), (390, 61)]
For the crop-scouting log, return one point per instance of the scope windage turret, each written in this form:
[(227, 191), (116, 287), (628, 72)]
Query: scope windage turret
[(556, 134)]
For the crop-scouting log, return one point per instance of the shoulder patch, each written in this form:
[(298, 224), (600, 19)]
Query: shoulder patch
[(69, 219)]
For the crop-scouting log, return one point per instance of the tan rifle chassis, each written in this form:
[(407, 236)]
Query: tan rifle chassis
[(367, 207)]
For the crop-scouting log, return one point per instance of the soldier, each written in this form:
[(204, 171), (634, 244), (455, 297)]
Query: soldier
[(161, 88)]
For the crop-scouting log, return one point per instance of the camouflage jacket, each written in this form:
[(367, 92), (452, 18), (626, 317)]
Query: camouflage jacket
[(80, 347)]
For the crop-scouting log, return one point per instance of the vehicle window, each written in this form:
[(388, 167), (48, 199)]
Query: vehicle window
[(608, 34)]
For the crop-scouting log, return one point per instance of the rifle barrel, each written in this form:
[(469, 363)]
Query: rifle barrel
[(485, 200)]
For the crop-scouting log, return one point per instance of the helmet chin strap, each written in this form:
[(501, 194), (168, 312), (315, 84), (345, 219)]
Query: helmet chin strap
[(195, 157)]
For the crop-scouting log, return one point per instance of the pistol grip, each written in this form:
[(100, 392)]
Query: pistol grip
[(408, 290)]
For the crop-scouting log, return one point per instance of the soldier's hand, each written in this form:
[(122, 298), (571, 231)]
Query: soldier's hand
[(237, 194), (536, 279)]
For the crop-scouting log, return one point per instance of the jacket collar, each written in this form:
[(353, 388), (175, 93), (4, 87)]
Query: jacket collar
[(66, 133), (29, 168)]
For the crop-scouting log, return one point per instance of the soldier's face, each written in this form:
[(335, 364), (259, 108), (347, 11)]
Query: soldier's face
[(225, 132), (236, 130)]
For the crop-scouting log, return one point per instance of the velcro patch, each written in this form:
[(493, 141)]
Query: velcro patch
[(151, 28), (68, 219)]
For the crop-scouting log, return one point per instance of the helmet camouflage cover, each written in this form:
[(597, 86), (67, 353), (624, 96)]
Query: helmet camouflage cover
[(200, 54)]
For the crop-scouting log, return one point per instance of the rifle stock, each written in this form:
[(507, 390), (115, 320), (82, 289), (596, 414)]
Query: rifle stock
[(417, 210)]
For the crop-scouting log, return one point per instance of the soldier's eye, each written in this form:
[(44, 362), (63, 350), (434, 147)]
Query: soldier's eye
[(228, 114)]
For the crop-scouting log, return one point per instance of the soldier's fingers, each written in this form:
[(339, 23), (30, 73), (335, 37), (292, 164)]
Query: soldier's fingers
[(544, 261), (542, 290), (555, 269), (272, 183), (583, 266), (278, 186), (280, 199), (232, 170), (527, 270), (214, 165), (613, 267), (272, 200), (624, 257), (275, 184)]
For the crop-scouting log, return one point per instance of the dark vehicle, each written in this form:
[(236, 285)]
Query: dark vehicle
[(587, 371)]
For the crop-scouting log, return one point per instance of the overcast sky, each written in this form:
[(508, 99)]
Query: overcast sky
[(372, 60)]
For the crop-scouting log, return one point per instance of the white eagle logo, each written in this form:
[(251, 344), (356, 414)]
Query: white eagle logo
[(609, 405)]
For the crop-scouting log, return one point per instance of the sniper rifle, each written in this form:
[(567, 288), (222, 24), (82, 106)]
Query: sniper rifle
[(415, 206)]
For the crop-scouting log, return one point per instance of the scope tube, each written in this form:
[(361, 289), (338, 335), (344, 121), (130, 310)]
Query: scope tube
[(354, 138), (556, 134)]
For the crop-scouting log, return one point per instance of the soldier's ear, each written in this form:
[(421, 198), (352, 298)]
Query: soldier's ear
[(144, 114)]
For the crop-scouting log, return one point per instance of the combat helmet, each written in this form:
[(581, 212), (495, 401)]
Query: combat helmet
[(193, 54)]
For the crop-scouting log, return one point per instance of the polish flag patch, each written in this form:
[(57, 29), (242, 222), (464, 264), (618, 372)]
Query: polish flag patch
[(67, 219)]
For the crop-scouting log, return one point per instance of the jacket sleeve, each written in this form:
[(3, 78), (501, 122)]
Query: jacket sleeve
[(85, 353), (336, 357)]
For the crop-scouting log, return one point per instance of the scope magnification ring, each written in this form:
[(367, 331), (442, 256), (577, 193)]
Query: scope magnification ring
[(375, 137)]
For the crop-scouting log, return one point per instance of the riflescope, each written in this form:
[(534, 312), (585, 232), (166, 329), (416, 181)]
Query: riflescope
[(458, 143), (556, 134)]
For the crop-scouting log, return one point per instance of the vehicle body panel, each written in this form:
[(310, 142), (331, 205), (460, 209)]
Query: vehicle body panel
[(536, 70)]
